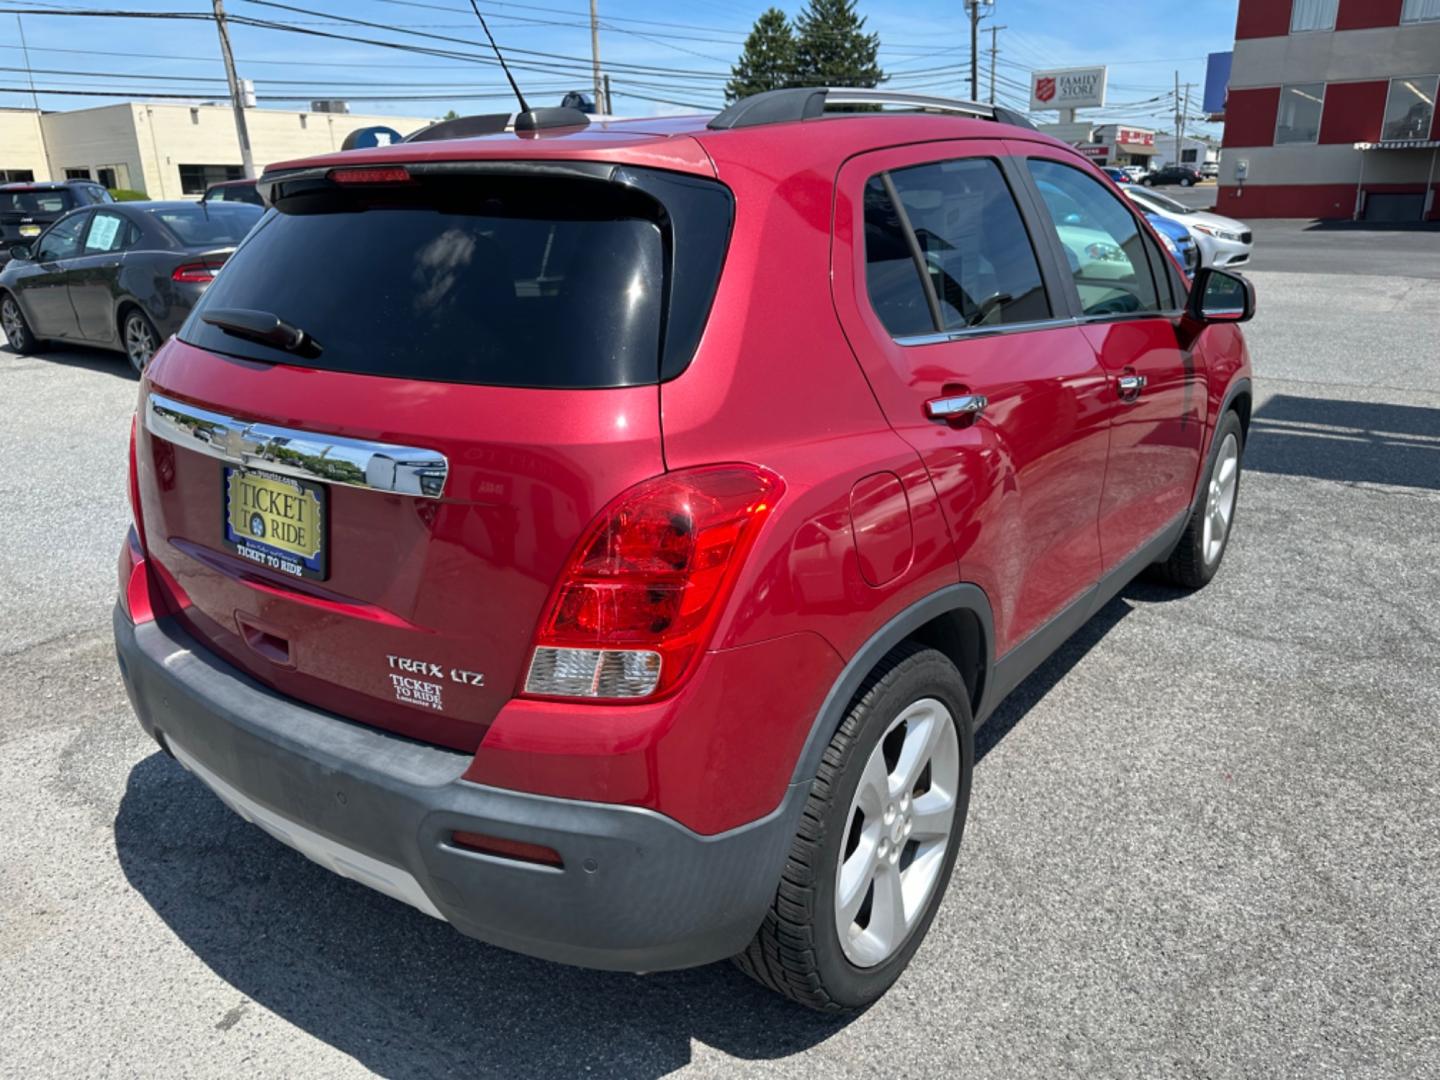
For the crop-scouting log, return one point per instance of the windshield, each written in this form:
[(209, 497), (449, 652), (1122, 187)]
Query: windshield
[(36, 202), (209, 225), (1164, 202)]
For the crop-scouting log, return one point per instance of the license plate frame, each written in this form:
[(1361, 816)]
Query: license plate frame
[(273, 512)]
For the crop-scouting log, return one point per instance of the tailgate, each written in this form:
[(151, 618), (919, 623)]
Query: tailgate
[(404, 538)]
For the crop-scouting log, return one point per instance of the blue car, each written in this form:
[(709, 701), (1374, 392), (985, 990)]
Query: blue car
[(1178, 239)]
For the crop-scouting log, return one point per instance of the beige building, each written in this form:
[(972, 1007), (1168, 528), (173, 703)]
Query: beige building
[(166, 151)]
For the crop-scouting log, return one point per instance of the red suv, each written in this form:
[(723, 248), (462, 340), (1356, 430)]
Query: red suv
[(607, 539)]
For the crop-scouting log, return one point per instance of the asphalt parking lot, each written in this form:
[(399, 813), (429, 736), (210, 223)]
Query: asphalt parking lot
[(1204, 838)]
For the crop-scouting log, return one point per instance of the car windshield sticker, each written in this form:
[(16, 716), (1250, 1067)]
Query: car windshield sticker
[(102, 232)]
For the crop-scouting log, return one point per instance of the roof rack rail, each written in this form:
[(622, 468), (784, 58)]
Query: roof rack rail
[(809, 102)]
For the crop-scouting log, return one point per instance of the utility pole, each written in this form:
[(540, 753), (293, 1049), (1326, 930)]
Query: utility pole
[(1184, 116), (609, 109), (600, 98), (1178, 118), (237, 98), (994, 52), (972, 8), (35, 100)]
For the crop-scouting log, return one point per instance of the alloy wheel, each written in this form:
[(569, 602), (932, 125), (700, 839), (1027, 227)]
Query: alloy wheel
[(13, 322), (140, 342), (897, 833), (1220, 501)]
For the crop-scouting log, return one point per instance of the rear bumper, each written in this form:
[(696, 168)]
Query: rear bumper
[(637, 891)]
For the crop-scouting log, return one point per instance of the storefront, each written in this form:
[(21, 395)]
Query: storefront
[(1110, 144)]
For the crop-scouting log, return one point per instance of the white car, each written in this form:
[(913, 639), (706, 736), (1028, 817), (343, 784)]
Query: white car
[(1223, 241), (1135, 172)]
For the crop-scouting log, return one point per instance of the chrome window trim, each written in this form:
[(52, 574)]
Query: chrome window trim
[(329, 459), (962, 333)]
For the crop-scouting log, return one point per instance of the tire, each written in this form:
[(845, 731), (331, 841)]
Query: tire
[(1197, 557), (16, 328), (1185, 181), (1147, 181), (914, 694), (140, 338)]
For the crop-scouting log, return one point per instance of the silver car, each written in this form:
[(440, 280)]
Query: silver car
[(1223, 241)]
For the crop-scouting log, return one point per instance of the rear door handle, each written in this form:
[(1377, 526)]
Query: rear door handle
[(959, 406), (1131, 385)]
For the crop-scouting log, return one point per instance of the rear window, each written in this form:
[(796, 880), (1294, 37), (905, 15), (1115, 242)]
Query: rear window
[(204, 225), (36, 202), (495, 280)]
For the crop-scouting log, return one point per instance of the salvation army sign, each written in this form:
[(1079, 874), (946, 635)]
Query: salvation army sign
[(1067, 88)]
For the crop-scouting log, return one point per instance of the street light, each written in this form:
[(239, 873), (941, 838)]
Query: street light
[(973, 7)]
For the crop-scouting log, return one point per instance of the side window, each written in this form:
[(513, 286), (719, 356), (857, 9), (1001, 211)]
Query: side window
[(1101, 240), (108, 232), (974, 256), (62, 240)]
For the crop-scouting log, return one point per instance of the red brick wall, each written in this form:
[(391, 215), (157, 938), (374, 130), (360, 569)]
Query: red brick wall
[(1353, 111), (1264, 18), (1250, 116), (1328, 201), (1358, 14)]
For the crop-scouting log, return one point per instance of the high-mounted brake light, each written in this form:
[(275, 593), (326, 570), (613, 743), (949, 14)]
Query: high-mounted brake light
[(644, 587), (199, 273), (386, 174)]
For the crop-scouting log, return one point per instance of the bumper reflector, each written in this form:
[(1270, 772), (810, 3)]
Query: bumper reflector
[(507, 849), (593, 673)]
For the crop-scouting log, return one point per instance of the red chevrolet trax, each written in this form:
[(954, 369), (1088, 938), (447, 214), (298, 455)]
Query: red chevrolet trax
[(608, 538)]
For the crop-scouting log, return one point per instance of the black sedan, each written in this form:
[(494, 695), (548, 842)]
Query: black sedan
[(121, 276), (1183, 175)]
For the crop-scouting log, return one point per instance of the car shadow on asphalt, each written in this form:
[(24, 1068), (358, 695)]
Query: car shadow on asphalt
[(101, 360), (406, 995), (1349, 441)]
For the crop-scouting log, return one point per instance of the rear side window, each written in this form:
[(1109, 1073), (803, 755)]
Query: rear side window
[(494, 280), (204, 225), (970, 252), (1100, 239)]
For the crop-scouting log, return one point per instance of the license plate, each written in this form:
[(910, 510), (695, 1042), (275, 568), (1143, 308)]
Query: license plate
[(275, 521), (29, 230)]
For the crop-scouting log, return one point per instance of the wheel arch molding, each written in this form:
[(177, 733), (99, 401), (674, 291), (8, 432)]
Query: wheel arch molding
[(956, 620)]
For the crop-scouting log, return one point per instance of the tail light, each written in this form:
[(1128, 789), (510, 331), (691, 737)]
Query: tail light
[(134, 486), (643, 588), (196, 273)]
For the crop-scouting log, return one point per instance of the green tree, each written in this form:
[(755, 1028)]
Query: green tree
[(768, 61), (832, 48), (451, 115)]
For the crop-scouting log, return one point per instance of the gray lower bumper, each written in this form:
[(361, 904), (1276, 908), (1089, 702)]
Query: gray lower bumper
[(637, 892)]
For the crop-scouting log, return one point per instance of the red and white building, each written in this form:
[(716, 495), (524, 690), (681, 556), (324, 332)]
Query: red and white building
[(1331, 111)]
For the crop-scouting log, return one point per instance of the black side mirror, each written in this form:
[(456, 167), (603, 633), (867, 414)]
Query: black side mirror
[(1218, 296), (20, 251)]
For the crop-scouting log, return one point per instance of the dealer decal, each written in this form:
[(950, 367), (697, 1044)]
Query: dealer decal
[(412, 681)]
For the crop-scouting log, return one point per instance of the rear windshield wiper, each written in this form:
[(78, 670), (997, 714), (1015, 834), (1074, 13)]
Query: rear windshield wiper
[(263, 327)]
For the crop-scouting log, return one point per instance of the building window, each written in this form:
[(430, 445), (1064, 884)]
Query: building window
[(1298, 120), (77, 174), (1187, 157), (1410, 107), (1415, 11), (194, 179), (1312, 15), (16, 176)]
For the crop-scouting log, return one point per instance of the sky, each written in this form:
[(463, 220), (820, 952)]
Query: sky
[(662, 57)]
